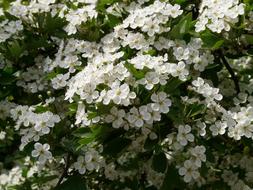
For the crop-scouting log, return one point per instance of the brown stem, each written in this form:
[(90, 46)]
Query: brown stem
[(231, 72)]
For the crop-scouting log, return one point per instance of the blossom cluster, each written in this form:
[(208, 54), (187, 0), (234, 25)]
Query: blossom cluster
[(144, 94)]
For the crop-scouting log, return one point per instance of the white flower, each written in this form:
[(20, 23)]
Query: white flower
[(119, 94), (199, 82), (189, 171), (2, 135), (89, 93), (202, 128), (78, 16), (45, 121), (135, 118), (206, 90), (155, 115), (229, 177), (110, 171), (175, 11), (151, 27), (90, 161), (80, 165), (135, 41), (1, 12), (161, 102), (9, 28), (218, 128), (42, 151), (179, 70), (42, 126), (198, 154), (151, 79), (153, 136), (116, 117), (144, 112), (184, 135), (181, 53), (60, 81), (218, 15)]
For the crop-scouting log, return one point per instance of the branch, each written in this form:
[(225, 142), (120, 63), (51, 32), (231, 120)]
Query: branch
[(195, 14), (65, 171), (231, 72)]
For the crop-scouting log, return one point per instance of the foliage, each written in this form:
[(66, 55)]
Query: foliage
[(110, 94)]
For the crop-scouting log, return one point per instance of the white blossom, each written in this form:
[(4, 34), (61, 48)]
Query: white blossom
[(184, 136), (42, 152), (189, 171)]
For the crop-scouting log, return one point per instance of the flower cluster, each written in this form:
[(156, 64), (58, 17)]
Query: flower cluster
[(32, 125), (216, 15), (107, 94), (90, 161), (9, 29)]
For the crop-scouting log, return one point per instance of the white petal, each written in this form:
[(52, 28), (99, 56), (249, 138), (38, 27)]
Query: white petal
[(46, 146), (35, 153), (182, 171), (38, 146)]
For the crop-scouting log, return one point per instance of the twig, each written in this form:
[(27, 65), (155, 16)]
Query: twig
[(195, 11), (65, 171), (231, 72)]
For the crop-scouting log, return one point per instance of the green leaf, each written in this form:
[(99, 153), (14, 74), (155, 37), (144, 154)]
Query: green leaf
[(102, 4), (116, 146), (248, 38), (15, 49), (95, 132), (194, 109), (172, 180), (151, 52), (6, 78), (51, 75), (138, 74), (180, 2), (75, 182), (54, 24), (150, 144), (112, 21), (41, 109), (172, 85), (50, 25), (211, 40), (218, 44), (86, 140), (159, 162), (44, 179), (182, 28), (211, 73), (176, 111)]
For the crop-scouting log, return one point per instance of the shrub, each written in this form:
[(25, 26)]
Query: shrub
[(110, 94)]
